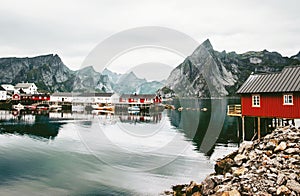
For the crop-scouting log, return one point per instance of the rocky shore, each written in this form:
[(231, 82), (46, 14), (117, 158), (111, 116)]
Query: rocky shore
[(269, 166)]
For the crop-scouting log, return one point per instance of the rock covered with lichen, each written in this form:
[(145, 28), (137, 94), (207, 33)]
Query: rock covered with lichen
[(269, 166)]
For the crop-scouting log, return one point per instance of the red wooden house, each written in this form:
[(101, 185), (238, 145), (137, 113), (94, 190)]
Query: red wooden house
[(31, 97), (269, 96), (140, 99), (274, 95)]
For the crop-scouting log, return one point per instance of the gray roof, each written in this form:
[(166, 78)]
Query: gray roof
[(288, 80), (2, 89), (72, 94), (138, 96), (65, 94), (23, 85), (95, 94)]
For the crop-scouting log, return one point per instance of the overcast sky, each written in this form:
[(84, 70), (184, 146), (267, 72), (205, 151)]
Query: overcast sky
[(73, 28)]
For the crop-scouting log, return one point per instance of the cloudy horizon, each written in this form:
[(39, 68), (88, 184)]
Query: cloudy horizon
[(72, 29)]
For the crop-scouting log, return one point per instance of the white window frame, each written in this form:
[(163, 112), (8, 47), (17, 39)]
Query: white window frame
[(286, 99), (255, 99)]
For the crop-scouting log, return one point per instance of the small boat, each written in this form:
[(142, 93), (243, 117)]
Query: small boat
[(134, 108), (42, 107), (100, 112), (133, 112), (78, 108), (204, 109), (55, 108), (98, 107), (171, 107), (180, 109), (30, 107)]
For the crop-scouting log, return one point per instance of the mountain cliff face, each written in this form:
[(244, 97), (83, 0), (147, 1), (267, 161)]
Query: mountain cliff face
[(48, 72), (112, 76), (88, 80), (149, 87), (128, 83), (209, 73), (201, 74)]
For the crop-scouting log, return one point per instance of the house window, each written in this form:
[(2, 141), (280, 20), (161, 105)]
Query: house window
[(255, 100), (288, 99)]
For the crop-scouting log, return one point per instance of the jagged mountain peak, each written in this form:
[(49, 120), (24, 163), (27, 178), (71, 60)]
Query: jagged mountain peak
[(132, 74), (201, 74), (52, 57), (128, 77), (87, 69), (207, 44), (204, 48), (108, 72)]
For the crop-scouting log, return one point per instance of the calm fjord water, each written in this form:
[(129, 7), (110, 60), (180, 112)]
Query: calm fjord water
[(121, 154)]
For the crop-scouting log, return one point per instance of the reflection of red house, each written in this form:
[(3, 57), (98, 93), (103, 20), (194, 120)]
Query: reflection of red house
[(157, 99)]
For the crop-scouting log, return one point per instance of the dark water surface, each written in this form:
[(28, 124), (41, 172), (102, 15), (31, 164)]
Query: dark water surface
[(121, 154)]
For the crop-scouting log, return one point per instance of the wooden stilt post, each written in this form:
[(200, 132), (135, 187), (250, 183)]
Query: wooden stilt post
[(238, 128), (266, 125), (293, 122), (243, 128), (258, 127)]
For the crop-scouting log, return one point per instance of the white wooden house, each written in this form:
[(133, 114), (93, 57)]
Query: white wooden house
[(115, 98), (3, 94), (62, 97), (82, 98), (8, 87), (27, 88)]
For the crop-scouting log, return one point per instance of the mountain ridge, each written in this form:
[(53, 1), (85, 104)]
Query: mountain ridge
[(206, 72), (50, 74)]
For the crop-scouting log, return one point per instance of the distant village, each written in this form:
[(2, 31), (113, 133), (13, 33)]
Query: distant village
[(27, 95)]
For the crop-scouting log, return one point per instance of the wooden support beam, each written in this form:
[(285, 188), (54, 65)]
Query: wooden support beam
[(243, 128), (293, 122), (258, 127)]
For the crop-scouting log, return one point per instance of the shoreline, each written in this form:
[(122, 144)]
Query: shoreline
[(269, 166)]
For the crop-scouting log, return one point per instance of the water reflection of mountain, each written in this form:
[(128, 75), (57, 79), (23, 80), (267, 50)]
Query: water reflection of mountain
[(205, 128), (28, 124), (139, 117)]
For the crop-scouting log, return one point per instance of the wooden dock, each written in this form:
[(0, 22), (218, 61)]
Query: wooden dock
[(234, 110)]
